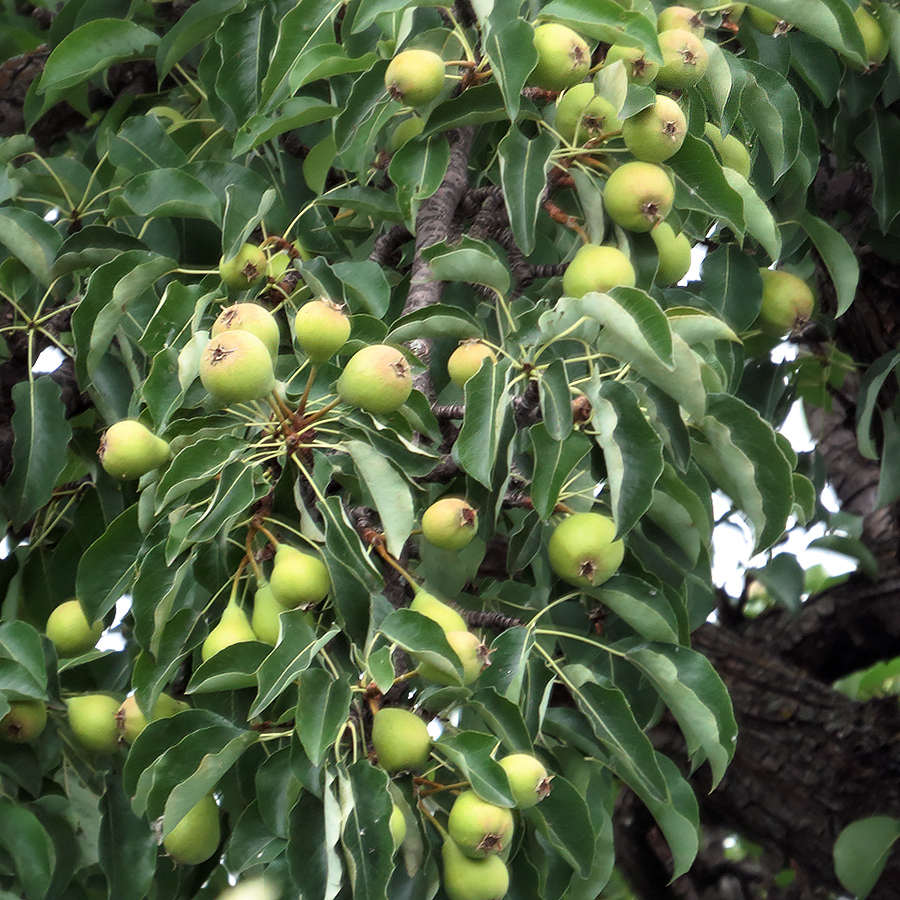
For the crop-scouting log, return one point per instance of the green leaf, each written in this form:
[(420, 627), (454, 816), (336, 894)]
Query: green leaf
[(423, 638), (21, 643), (861, 852), (870, 386), (556, 400), (700, 184), (30, 239), (323, 705), (836, 253), (435, 321), (510, 51), (93, 47), (471, 261), (876, 143), (554, 460), (644, 607), (563, 818), (470, 752), (199, 22), (172, 192), (417, 169), (758, 219), (230, 669), (733, 285), (28, 844), (128, 847), (503, 718), (40, 451), (694, 693)]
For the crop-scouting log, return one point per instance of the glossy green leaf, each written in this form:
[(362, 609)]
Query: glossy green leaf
[(732, 283), (30, 239), (423, 638), (435, 321), (838, 256), (554, 461), (230, 669), (471, 261), (701, 184), (510, 50), (861, 852), (127, 846), (172, 192), (644, 607), (471, 753), (563, 818), (417, 169), (831, 21), (30, 848), (758, 219), (323, 705)]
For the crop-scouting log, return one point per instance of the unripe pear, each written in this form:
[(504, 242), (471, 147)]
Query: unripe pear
[(428, 605), (449, 523), (472, 653), (563, 57), (70, 631), (639, 69), (766, 22), (598, 268), (276, 267), (265, 619), (875, 39), (92, 718), (244, 268), (685, 59), (582, 114), (24, 722), (377, 379), (322, 328), (466, 360), (528, 779), (196, 837), (787, 302), (397, 824), (400, 739), (472, 879), (731, 151), (404, 132), (638, 196), (479, 828), (674, 254), (680, 17), (415, 77), (130, 721), (129, 450), (298, 578), (233, 628), (656, 132), (236, 367), (583, 549), (253, 318)]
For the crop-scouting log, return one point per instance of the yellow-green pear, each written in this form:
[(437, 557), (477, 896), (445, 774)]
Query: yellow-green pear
[(582, 114), (131, 721), (472, 879), (466, 360), (528, 779), (563, 57), (427, 604), (233, 628), (638, 68), (479, 828), (415, 77), (249, 317), (400, 739), (244, 267), (597, 267), (377, 379), (397, 825), (322, 328), (685, 59), (449, 523), (298, 579), (638, 196), (92, 718), (583, 549), (70, 631), (265, 619), (657, 131), (196, 837), (787, 302), (24, 722), (129, 450), (472, 653), (674, 252)]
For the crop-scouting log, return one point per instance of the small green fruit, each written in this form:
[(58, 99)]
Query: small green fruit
[(472, 653), (404, 132), (656, 132), (428, 605), (787, 302), (253, 318), (24, 722), (397, 824), (92, 718), (638, 68), (129, 450), (400, 739), (563, 57), (528, 779), (466, 360), (583, 550), (244, 268), (673, 17), (298, 578), (674, 252), (233, 628), (131, 721), (415, 77), (196, 837), (265, 619), (598, 268), (472, 879), (322, 328), (730, 150), (236, 367), (638, 196), (377, 379), (479, 828), (449, 523), (875, 39), (766, 22), (685, 59), (582, 114), (70, 631)]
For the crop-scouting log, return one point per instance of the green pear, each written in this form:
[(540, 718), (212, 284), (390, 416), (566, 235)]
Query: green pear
[(583, 549), (597, 268), (377, 379), (322, 328), (638, 68), (466, 360), (656, 132), (875, 38), (265, 619), (298, 578), (685, 59), (472, 879), (472, 653), (24, 722), (70, 632), (674, 252), (129, 450), (638, 196), (233, 628), (787, 302), (730, 150), (253, 318), (766, 22), (479, 828), (400, 739), (427, 604), (409, 128), (196, 837), (131, 721), (92, 718), (564, 57), (236, 367), (673, 17), (415, 77), (397, 824), (244, 267), (449, 523), (528, 779), (582, 114)]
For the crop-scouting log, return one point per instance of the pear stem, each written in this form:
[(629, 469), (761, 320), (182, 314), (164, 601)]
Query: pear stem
[(314, 417), (232, 600), (381, 550), (251, 556), (437, 825), (276, 408), (313, 370), (273, 540)]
